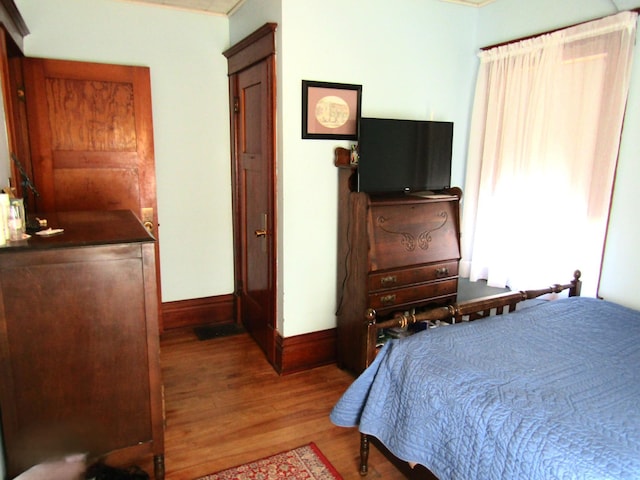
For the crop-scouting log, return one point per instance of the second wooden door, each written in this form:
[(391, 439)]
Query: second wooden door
[(252, 86)]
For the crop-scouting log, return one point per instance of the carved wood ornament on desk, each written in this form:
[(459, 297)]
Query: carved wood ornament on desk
[(408, 240)]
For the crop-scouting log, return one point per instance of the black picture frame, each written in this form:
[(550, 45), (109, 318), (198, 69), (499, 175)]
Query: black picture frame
[(330, 111)]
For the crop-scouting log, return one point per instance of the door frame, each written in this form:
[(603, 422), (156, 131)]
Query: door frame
[(257, 47)]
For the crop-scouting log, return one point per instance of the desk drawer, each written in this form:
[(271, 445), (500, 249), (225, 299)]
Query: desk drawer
[(409, 276), (422, 293)]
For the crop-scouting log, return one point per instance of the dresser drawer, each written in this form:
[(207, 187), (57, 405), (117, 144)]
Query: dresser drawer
[(409, 276), (422, 293)]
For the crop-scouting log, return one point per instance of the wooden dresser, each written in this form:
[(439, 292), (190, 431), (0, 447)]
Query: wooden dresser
[(396, 253), (79, 347)]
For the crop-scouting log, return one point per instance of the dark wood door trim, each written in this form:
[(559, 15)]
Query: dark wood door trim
[(257, 47), (13, 22)]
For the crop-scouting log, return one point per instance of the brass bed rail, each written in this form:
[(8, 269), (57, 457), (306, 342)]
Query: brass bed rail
[(476, 308)]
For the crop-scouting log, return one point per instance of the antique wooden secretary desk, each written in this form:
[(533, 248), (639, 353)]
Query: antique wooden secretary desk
[(396, 253)]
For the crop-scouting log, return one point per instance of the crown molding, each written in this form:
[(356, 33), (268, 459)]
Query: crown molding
[(470, 3)]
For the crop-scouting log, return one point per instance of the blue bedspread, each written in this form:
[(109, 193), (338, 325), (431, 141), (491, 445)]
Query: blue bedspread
[(548, 392)]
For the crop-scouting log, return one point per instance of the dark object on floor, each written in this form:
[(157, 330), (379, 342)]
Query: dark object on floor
[(100, 471), (214, 331)]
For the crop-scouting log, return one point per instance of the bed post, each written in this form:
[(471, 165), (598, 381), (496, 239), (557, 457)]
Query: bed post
[(364, 454), (576, 284)]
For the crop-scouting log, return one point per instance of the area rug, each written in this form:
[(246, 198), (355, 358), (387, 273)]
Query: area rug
[(306, 463)]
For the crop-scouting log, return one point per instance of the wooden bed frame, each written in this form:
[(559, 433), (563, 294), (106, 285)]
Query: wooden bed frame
[(460, 312)]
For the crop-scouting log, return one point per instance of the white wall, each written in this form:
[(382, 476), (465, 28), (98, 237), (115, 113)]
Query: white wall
[(190, 114), (509, 19)]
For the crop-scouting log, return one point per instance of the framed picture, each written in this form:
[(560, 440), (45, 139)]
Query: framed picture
[(330, 110)]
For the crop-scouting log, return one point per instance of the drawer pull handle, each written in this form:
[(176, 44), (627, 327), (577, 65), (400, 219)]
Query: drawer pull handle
[(442, 272), (388, 299), (388, 280)]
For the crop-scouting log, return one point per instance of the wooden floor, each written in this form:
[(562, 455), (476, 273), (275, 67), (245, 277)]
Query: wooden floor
[(225, 406)]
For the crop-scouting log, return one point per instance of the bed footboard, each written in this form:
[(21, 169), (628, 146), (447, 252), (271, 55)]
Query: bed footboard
[(474, 309)]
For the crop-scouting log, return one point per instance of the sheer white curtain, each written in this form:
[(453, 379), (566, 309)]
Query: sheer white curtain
[(543, 148)]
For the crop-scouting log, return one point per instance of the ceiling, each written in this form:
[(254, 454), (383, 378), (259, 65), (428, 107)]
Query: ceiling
[(227, 7), (217, 7)]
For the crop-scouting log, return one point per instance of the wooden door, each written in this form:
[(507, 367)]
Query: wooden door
[(91, 138), (253, 119)]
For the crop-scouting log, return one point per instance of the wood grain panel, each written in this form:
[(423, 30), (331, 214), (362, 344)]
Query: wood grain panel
[(418, 233), (81, 188), (80, 349), (91, 115)]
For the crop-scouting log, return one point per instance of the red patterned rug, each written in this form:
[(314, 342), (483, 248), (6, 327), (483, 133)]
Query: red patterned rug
[(305, 462)]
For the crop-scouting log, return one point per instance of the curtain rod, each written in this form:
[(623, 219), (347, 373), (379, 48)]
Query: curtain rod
[(508, 42)]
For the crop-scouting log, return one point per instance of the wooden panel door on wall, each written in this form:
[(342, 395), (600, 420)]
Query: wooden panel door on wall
[(91, 138), (254, 174), (252, 86)]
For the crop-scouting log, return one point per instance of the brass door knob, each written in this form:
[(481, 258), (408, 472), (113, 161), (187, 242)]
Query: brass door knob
[(260, 233), (147, 219)]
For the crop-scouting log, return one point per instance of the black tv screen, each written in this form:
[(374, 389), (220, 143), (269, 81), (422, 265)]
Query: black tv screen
[(404, 155)]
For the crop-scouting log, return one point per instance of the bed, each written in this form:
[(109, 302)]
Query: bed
[(547, 391)]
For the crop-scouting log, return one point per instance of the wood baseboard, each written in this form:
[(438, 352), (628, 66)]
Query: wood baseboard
[(304, 352), (199, 311)]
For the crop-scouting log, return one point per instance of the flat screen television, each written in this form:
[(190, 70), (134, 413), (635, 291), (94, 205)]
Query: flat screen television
[(404, 155)]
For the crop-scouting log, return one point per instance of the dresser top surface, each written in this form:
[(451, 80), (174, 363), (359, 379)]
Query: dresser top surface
[(85, 228)]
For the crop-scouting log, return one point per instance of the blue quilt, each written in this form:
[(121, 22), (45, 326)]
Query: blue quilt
[(548, 392)]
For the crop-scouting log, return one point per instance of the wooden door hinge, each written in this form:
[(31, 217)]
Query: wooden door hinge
[(236, 104)]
